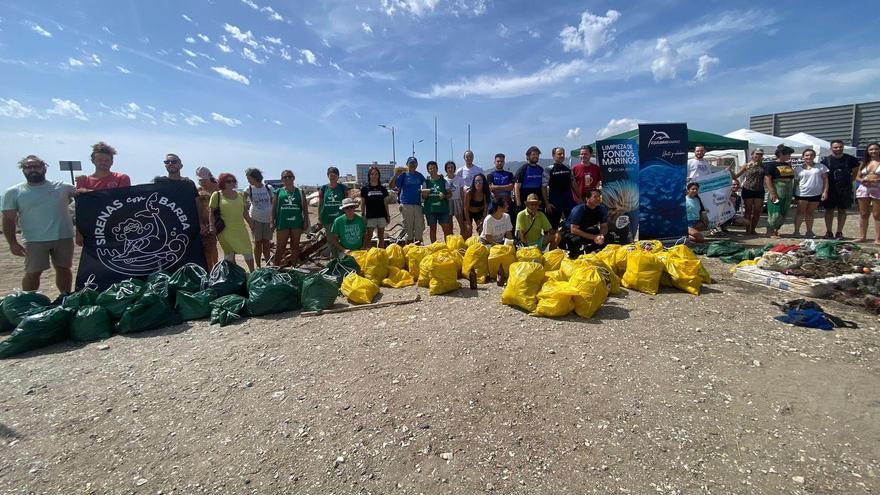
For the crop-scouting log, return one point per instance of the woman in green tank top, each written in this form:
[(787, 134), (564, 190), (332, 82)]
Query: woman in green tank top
[(290, 218), (330, 199)]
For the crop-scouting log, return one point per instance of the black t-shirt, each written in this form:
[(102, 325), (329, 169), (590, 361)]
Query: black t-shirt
[(183, 182), (374, 199), (777, 170), (587, 219), (560, 180), (840, 169)]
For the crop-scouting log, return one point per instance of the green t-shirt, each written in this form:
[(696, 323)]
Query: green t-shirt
[(288, 209), (437, 202), (43, 210), (332, 199), (350, 232), (534, 227)]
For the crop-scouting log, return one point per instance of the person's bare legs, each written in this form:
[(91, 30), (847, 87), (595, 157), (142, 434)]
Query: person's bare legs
[(63, 279), (864, 216), (31, 281), (447, 230), (281, 237), (267, 248), (829, 222), (432, 233), (810, 216), (841, 219), (875, 213), (694, 235), (799, 215), (293, 239), (754, 205), (368, 239), (249, 261), (380, 233)]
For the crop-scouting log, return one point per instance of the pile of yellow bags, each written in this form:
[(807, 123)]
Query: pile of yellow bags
[(358, 290)]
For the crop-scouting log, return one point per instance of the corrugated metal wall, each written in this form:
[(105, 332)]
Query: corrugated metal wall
[(856, 124)]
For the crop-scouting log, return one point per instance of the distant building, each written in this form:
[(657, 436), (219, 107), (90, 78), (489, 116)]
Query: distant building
[(386, 171), (856, 124)]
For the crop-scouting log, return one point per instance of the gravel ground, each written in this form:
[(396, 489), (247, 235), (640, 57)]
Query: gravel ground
[(457, 394)]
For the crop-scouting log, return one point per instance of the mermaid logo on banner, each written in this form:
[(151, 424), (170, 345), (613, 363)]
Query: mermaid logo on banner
[(663, 152), (135, 231), (619, 161)]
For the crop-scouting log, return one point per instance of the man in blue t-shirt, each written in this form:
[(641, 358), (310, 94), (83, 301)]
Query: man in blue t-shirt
[(532, 178), (409, 186), (584, 230), (501, 184)]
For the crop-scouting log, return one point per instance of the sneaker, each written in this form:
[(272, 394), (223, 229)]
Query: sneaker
[(838, 235), (796, 235), (810, 235), (828, 235)]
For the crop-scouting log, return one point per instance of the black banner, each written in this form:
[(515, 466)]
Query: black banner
[(131, 232)]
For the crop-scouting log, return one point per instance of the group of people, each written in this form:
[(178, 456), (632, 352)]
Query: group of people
[(831, 182)]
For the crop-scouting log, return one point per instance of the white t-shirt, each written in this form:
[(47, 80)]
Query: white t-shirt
[(453, 186), (698, 168), (810, 181), (261, 203), (465, 176), (496, 228)]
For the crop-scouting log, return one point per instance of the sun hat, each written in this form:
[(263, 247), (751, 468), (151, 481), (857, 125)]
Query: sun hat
[(349, 203), (204, 173), (532, 198)]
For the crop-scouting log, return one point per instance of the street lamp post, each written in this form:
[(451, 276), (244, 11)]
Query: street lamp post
[(393, 144), (414, 146)]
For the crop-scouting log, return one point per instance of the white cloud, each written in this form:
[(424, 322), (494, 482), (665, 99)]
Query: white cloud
[(593, 33), (186, 18), (421, 8), (66, 108), (194, 120), (123, 69), (309, 57), (74, 62), (204, 38), (277, 122), (231, 75), (251, 4), (366, 28), (502, 30), (534, 34), (192, 64), (285, 54), (96, 61), (325, 42), (666, 62), (224, 48), (377, 76), (499, 87), (133, 107), (190, 53), (273, 16), (573, 133), (616, 126), (14, 109), (242, 37), (705, 63), (114, 47), (169, 118), (39, 30), (249, 54), (190, 40), (225, 120), (274, 41), (414, 7)]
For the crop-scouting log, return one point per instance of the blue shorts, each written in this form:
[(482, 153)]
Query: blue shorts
[(435, 218)]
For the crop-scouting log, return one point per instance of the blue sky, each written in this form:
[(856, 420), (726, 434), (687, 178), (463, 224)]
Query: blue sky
[(274, 84)]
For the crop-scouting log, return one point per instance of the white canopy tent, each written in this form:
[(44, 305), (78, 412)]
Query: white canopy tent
[(767, 142), (822, 147)]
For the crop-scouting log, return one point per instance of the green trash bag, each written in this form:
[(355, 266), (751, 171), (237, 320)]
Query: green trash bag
[(827, 250), (194, 305), (226, 309), (19, 304), (339, 268), (91, 323), (119, 296), (227, 278), (5, 324), (319, 292), (271, 292), (38, 330), (157, 283), (723, 248), (86, 296), (297, 277), (149, 312), (190, 278)]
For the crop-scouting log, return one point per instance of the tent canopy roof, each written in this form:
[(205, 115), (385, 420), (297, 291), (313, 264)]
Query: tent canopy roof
[(760, 140), (709, 140)]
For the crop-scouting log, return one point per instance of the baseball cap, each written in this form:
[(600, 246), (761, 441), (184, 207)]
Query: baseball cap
[(532, 198), (204, 173), (412, 160)]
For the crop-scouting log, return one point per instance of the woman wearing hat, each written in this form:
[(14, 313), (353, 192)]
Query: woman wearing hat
[(348, 230), (532, 225)]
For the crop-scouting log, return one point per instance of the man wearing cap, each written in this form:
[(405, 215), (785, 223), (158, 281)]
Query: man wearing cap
[(207, 187), (348, 230), (585, 229), (532, 226), (40, 207), (587, 174), (842, 170), (532, 178), (409, 184)]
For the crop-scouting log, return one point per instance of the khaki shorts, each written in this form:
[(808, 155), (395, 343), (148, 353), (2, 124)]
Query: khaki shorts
[(377, 223), (38, 254), (262, 231)]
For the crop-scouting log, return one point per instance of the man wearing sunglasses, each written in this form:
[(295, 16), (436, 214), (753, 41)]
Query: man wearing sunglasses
[(41, 208), (173, 166)]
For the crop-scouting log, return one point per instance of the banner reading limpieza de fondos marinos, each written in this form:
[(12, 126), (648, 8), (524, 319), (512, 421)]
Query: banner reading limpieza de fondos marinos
[(131, 232), (663, 156), (618, 160)]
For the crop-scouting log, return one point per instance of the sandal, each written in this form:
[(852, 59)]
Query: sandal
[(838, 235), (828, 235)]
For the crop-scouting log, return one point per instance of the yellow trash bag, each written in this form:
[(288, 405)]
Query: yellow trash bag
[(651, 245), (643, 271), (361, 257), (621, 255), (358, 290), (455, 242), (523, 285), (470, 241), (444, 273), (375, 265), (554, 276), (682, 251), (556, 298), (436, 246), (398, 278), (457, 257), (592, 290), (568, 266), (502, 255), (611, 277), (531, 253), (553, 259), (684, 274), (396, 258), (424, 279), (744, 263), (414, 255), (476, 257)]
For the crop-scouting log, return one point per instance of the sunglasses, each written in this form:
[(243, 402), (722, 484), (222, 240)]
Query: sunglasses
[(286, 176), (172, 162), (231, 181)]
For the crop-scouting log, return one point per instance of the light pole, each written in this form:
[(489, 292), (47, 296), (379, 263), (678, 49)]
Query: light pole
[(414, 145), (393, 144)]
